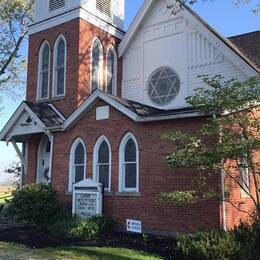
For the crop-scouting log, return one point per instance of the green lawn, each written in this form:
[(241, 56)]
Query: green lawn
[(2, 195), (10, 251)]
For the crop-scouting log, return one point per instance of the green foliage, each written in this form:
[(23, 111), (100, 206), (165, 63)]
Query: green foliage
[(96, 227), (76, 228), (106, 225), (63, 224), (207, 245), (15, 16), (177, 197), (36, 204), (255, 6), (240, 244), (84, 230)]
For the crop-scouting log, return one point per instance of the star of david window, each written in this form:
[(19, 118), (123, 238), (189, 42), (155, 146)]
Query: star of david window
[(163, 86)]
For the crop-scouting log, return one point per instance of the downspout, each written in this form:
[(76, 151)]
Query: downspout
[(223, 205), (222, 190)]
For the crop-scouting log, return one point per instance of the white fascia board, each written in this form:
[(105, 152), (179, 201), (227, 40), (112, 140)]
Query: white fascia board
[(11, 121), (16, 116), (90, 101), (134, 27), (71, 15), (168, 117)]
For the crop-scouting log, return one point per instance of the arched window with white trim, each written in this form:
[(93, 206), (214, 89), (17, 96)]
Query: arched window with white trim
[(78, 163), (59, 68), (111, 71), (96, 65), (102, 162), (44, 71), (129, 164)]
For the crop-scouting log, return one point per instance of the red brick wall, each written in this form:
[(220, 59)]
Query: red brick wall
[(79, 35), (155, 176)]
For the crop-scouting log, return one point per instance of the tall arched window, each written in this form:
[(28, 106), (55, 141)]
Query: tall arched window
[(44, 71), (102, 162), (111, 71), (78, 163), (96, 65), (59, 68), (128, 164)]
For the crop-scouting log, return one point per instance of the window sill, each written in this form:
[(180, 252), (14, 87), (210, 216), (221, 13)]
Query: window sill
[(50, 99), (128, 194), (108, 194), (68, 193)]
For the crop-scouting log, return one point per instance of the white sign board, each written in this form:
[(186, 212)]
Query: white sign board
[(134, 226), (87, 199), (86, 205)]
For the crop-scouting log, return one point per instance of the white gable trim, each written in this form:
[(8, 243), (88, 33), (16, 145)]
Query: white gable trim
[(90, 101), (226, 46), (132, 30), (23, 107)]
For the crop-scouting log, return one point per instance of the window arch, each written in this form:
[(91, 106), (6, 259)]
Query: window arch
[(78, 163), (59, 68), (44, 71), (96, 65), (102, 162), (129, 164), (111, 71)]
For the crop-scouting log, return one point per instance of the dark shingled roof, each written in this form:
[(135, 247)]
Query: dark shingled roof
[(148, 111), (249, 45), (46, 114)]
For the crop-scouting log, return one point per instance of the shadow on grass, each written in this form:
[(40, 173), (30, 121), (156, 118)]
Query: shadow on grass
[(106, 253)]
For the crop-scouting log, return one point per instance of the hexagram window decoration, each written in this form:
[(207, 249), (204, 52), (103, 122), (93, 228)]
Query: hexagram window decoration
[(163, 86)]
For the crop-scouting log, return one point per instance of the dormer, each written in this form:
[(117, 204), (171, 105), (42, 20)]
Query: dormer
[(109, 13)]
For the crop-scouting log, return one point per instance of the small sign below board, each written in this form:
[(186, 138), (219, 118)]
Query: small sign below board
[(134, 226)]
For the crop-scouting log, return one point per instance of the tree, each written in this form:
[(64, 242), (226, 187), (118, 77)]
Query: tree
[(255, 9), (15, 16), (228, 143), (15, 171)]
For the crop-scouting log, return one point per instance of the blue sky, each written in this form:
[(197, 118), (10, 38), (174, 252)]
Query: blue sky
[(222, 15)]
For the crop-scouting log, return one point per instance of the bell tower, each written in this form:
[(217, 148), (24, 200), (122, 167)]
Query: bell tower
[(110, 13), (61, 40)]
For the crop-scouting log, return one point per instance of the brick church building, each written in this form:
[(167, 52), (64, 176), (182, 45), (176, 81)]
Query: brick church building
[(98, 99)]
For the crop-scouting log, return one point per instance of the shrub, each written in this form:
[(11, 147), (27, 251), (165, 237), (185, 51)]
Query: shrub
[(249, 238), (105, 224), (63, 225), (241, 243), (84, 230), (75, 228), (207, 245), (36, 204)]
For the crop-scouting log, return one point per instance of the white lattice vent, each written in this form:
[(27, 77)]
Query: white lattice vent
[(104, 6), (56, 4)]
